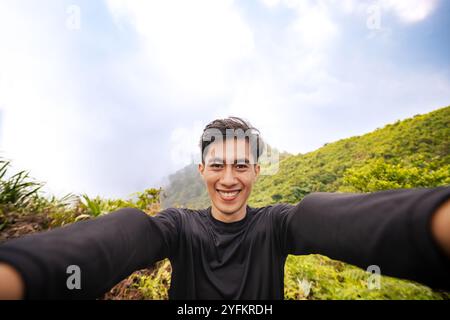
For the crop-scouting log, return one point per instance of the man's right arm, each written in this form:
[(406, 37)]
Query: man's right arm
[(404, 231), (102, 252)]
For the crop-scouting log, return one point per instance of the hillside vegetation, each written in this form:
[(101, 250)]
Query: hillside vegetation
[(409, 153)]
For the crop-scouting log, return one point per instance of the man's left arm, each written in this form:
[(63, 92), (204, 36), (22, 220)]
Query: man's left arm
[(405, 232)]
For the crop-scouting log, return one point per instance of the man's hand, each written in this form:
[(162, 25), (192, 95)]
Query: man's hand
[(11, 283), (440, 227)]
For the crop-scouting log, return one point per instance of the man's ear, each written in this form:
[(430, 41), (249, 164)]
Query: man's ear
[(257, 170), (201, 168)]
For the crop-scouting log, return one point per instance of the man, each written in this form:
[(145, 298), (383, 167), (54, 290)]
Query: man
[(231, 250)]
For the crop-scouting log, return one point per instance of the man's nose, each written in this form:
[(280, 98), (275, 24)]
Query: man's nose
[(228, 177)]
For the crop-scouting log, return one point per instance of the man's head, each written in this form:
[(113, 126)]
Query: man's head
[(230, 151)]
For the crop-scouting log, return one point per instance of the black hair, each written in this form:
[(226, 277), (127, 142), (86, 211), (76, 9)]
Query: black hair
[(233, 124)]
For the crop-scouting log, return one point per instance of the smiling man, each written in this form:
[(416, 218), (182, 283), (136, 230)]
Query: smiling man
[(231, 250), (230, 166)]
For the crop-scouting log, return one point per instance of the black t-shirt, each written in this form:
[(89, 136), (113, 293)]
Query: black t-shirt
[(240, 260), (212, 259)]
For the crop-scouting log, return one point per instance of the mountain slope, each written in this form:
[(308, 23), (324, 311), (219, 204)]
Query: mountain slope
[(409, 153), (413, 148)]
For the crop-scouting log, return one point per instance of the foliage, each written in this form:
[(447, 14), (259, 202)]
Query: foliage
[(413, 148), (17, 189), (147, 201), (326, 279), (156, 285), (378, 175)]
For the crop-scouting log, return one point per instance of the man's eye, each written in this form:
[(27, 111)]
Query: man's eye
[(241, 166), (216, 165)]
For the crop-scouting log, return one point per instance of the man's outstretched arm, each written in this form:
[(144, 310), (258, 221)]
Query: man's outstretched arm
[(405, 232), (103, 251)]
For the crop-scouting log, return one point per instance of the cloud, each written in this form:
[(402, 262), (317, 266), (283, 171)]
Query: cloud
[(196, 52), (80, 125), (289, 87), (314, 25), (410, 11), (39, 115), (192, 44), (271, 3)]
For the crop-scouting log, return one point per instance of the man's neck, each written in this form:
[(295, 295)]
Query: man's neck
[(229, 217)]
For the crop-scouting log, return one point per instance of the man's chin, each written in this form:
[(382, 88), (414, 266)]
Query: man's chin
[(228, 210)]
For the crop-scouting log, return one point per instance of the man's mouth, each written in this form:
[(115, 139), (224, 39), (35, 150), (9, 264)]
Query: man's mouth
[(228, 195)]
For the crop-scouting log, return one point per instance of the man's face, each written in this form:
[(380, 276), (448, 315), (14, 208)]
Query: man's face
[(229, 173)]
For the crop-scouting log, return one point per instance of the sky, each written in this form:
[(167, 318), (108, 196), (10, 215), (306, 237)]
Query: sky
[(108, 97)]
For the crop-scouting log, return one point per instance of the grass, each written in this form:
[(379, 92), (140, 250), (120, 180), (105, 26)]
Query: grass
[(16, 189), (327, 279)]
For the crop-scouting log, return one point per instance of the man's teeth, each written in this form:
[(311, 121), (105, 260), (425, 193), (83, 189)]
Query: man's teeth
[(229, 194)]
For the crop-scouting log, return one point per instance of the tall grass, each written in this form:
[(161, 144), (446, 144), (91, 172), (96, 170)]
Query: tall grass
[(18, 189), (148, 201)]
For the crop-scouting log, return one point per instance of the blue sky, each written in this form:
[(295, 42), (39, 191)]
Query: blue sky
[(109, 97)]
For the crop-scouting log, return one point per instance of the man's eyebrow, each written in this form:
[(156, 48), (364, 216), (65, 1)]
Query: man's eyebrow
[(240, 161), (215, 160), (220, 160)]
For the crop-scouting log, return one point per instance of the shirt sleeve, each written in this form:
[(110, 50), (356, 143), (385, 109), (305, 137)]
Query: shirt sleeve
[(390, 229), (104, 250), (168, 222)]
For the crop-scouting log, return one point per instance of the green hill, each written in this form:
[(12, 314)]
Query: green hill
[(185, 189), (409, 153)]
